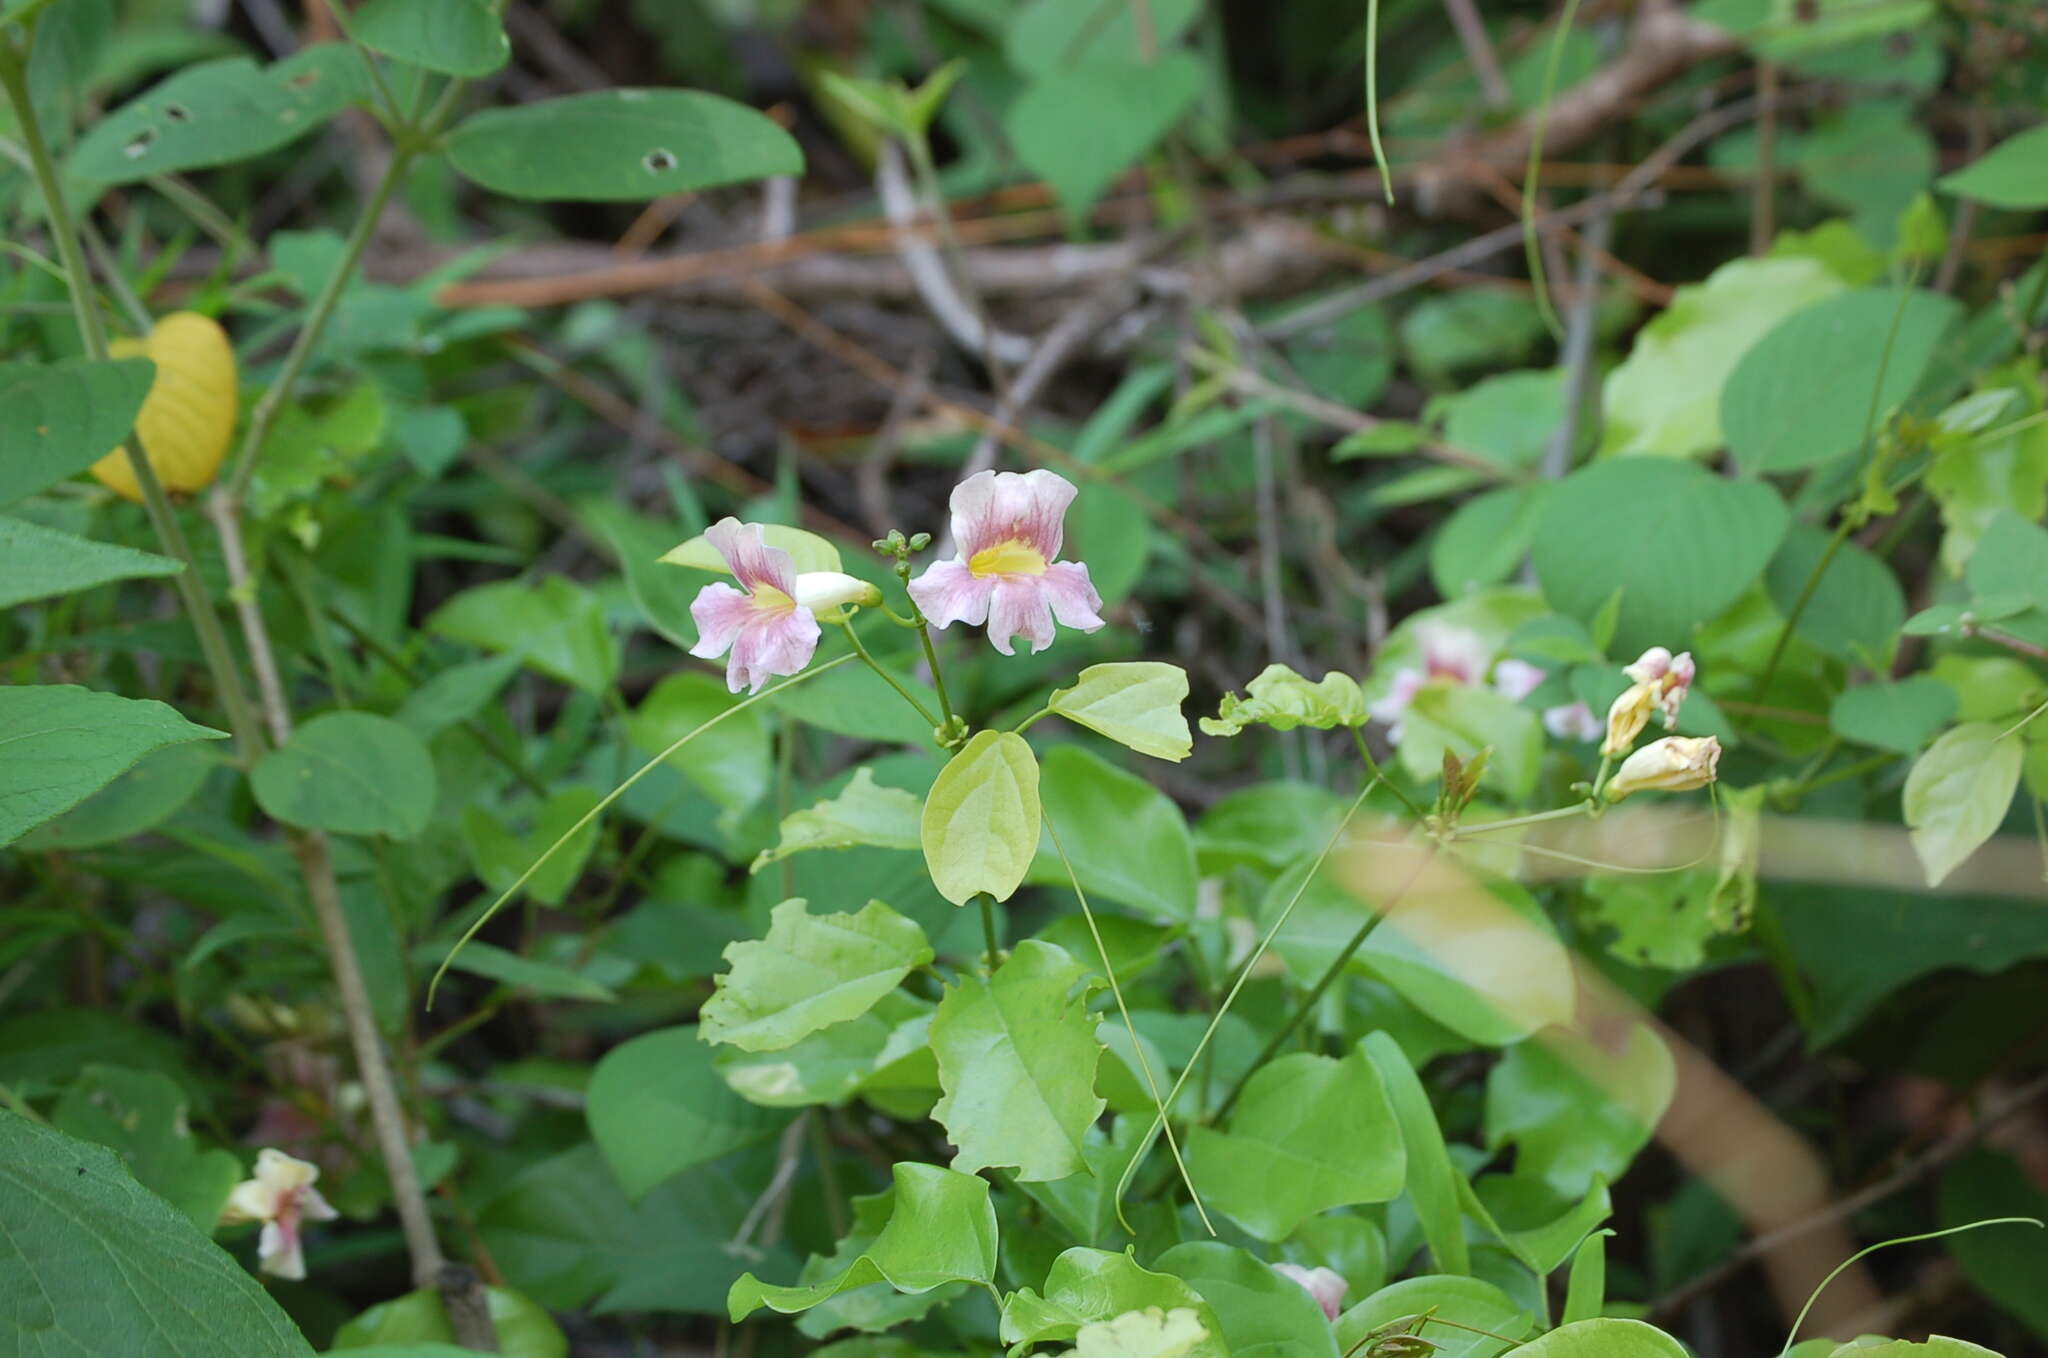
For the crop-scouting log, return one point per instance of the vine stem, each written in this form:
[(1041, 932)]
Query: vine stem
[(893, 682), (191, 586), (988, 931), (1323, 983)]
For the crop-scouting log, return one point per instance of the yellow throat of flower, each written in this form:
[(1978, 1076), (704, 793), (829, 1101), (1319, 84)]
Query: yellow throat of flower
[(767, 598), (1011, 557)]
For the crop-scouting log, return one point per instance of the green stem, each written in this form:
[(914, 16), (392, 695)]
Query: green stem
[(1841, 535), (931, 658), (828, 1172), (1513, 822), (1374, 773), (191, 586), (1025, 725), (988, 931), (317, 318), (891, 679), (1315, 995)]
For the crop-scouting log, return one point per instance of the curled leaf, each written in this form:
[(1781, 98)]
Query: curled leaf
[(1283, 700), (189, 415)]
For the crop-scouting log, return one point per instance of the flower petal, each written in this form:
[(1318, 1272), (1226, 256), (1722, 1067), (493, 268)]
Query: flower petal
[(990, 508), (1019, 608), (721, 614), (754, 563), (278, 1252), (771, 644), (1072, 596), (948, 592), (1516, 679)]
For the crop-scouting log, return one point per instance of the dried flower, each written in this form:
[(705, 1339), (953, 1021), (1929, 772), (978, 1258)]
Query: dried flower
[(1673, 764), (280, 1196)]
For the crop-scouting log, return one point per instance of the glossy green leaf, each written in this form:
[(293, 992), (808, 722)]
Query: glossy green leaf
[(1432, 1181), (1586, 1290), (216, 113), (1135, 703), (59, 744), (94, 1264), (1604, 1339), (1577, 1112), (1126, 839), (41, 563), (658, 1107), (1283, 700), (1808, 392), (354, 773), (865, 813), (886, 1049), (981, 820), (1469, 1304), (1310, 1133), (454, 37), (941, 1229), (1681, 544), (557, 627), (1080, 128), (1017, 1053), (2012, 174), (1957, 793), (63, 418), (622, 145), (1666, 395), (1089, 1286), (1901, 716), (810, 972), (1260, 1311)]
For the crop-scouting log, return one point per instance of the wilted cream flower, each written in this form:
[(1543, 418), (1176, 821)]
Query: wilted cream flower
[(1661, 683), (280, 1196), (1673, 764)]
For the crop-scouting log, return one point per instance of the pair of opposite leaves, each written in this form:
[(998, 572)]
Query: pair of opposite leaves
[(188, 417)]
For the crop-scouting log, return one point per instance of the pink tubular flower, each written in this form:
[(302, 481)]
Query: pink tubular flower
[(1009, 528), (1669, 677), (1450, 654), (1572, 721), (770, 627), (1516, 679), (280, 1196), (1327, 1286)]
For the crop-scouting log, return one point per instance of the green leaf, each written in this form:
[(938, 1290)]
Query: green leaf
[(63, 418), (865, 813), (350, 772), (1900, 716), (1576, 1112), (542, 979), (658, 1107), (733, 762), (981, 819), (1080, 128), (1466, 1302), (138, 800), (1017, 1053), (59, 744), (217, 113), (2011, 558), (1126, 839), (1807, 392), (1957, 794), (1666, 395), (1463, 719), (1508, 418), (1482, 959), (1051, 35), (94, 1264), (1604, 1339), (855, 701), (1432, 1181), (1260, 1312), (454, 37), (941, 1229), (1283, 700), (501, 855), (1135, 703), (141, 1116), (1089, 1286), (1857, 607), (1486, 538), (1681, 543), (2005, 1263), (1349, 361), (41, 563), (1150, 1333), (2012, 174), (416, 1325), (811, 972), (557, 627), (883, 1051), (620, 146), (1310, 1133)]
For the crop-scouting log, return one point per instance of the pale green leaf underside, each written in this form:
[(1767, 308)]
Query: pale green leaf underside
[(809, 973)]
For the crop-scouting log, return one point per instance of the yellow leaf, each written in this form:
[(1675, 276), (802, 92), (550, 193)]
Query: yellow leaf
[(189, 415)]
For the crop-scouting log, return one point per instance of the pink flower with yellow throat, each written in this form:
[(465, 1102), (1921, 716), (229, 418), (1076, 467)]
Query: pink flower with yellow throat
[(770, 626), (280, 1196), (1009, 528)]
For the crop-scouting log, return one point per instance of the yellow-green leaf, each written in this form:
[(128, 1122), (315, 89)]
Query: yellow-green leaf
[(1134, 703), (980, 826)]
